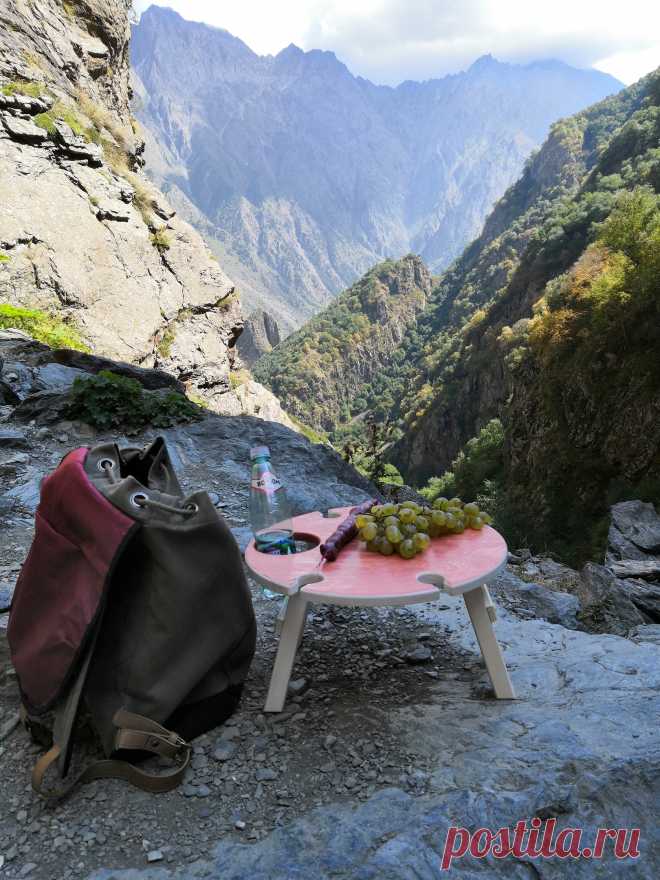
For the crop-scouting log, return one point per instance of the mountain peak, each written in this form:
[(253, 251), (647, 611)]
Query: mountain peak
[(485, 62)]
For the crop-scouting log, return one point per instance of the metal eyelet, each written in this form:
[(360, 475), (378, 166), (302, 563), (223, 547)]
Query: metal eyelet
[(138, 499), (194, 508), (104, 463)]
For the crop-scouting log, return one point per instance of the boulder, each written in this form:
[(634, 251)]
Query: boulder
[(645, 596), (536, 600), (17, 378), (43, 407), (648, 568), (75, 146), (55, 377), (12, 438), (24, 130), (152, 380), (260, 335), (639, 524), (646, 633), (605, 606)]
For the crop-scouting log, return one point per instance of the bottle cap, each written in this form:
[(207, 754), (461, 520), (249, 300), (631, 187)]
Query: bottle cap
[(259, 451)]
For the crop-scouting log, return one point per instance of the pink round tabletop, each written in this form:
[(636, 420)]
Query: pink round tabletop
[(452, 563)]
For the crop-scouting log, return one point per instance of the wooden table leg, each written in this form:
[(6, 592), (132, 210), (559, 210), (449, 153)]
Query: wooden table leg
[(292, 628), (476, 602)]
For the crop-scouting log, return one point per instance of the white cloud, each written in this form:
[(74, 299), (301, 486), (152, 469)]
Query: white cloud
[(391, 40)]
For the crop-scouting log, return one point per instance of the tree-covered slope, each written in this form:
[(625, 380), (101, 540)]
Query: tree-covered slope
[(547, 323), (551, 325), (320, 371)]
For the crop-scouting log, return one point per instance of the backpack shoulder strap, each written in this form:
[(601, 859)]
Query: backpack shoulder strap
[(133, 732)]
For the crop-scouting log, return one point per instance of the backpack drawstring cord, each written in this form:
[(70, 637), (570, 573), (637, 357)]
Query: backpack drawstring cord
[(140, 499)]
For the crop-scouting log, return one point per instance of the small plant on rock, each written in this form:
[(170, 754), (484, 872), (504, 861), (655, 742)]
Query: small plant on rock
[(108, 400), (160, 239)]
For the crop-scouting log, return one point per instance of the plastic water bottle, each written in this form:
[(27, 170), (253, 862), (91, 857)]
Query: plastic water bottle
[(270, 511)]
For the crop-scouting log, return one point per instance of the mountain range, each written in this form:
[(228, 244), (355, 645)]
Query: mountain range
[(301, 176)]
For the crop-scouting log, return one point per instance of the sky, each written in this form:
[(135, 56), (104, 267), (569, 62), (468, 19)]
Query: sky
[(388, 41)]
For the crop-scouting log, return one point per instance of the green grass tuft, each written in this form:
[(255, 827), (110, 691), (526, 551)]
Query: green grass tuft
[(43, 327), (161, 240), (45, 121), (164, 347), (23, 87)]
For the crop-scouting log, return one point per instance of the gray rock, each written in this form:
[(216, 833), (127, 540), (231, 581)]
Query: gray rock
[(155, 855), (25, 103), (605, 608), (24, 130), (551, 605), (316, 477), (638, 523), (77, 147), (225, 750), (26, 495), (636, 568), (19, 378), (649, 633), (420, 654), (265, 774), (297, 686), (12, 438), (44, 407), (645, 596), (55, 377), (152, 380), (260, 335), (111, 209)]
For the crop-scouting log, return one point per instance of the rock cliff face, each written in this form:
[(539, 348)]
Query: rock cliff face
[(260, 335), (302, 176), (82, 232)]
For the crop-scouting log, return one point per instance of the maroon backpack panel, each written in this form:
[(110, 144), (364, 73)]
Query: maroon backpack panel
[(60, 591)]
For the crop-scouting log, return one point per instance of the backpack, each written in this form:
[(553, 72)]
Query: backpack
[(133, 603)]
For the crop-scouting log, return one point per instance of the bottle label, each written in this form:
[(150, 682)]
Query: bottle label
[(267, 483)]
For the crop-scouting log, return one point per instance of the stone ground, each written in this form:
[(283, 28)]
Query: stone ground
[(374, 756)]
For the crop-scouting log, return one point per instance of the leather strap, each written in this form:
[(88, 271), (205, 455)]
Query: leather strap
[(152, 737)]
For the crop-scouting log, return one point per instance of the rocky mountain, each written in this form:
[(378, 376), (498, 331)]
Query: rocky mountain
[(302, 176), (83, 234), (260, 335), (320, 371)]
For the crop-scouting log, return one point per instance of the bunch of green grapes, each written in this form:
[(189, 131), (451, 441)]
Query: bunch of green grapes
[(407, 528), (452, 517)]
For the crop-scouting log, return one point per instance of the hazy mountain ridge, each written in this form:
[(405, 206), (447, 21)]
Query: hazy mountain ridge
[(307, 175)]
